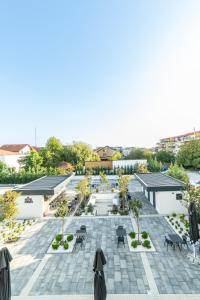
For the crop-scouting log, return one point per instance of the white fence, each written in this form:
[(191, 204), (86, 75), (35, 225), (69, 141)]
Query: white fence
[(128, 163)]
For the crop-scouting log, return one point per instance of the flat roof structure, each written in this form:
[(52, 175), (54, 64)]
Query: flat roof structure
[(48, 185), (159, 182)]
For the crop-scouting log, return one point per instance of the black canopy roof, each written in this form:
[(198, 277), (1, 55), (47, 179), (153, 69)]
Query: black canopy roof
[(47, 185), (159, 182)]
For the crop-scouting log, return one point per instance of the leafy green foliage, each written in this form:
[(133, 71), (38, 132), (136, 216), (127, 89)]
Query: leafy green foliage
[(154, 165), (8, 204), (78, 153), (83, 187), (116, 156), (140, 168), (146, 244), (132, 234), (134, 244), (65, 245), (144, 235), (178, 172), (70, 237), (136, 153), (165, 156), (189, 155)]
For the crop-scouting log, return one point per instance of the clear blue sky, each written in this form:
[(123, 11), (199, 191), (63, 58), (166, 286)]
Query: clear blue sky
[(104, 72)]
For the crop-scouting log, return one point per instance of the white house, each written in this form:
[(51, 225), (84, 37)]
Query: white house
[(10, 154), (36, 196), (163, 192)]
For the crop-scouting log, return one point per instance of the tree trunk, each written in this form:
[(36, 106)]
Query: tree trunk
[(63, 223), (138, 227)]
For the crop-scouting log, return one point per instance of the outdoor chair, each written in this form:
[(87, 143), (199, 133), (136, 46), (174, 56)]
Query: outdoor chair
[(184, 242), (120, 227), (168, 242), (120, 239), (83, 228), (79, 241)]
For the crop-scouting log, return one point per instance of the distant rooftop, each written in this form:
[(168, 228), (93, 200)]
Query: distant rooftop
[(159, 182), (47, 185)]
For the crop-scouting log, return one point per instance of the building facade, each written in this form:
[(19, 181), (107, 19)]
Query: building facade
[(174, 143)]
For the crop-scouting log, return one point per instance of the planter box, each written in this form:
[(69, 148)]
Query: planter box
[(184, 232), (140, 248), (61, 249)]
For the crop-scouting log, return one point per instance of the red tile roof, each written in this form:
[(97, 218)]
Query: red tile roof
[(13, 147)]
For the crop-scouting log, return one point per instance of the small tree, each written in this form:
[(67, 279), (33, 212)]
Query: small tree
[(178, 172), (154, 165), (135, 206), (140, 168), (8, 203), (104, 180), (123, 187), (83, 187), (192, 194), (62, 212)]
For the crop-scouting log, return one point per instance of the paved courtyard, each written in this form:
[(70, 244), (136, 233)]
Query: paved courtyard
[(161, 272)]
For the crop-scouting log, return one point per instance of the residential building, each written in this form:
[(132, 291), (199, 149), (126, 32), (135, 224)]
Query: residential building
[(105, 153), (19, 149), (11, 159), (174, 143), (163, 192), (35, 197), (11, 154)]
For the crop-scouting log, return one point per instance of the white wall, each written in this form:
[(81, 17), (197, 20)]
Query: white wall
[(151, 197), (126, 163), (25, 150), (30, 210), (11, 160), (166, 203)]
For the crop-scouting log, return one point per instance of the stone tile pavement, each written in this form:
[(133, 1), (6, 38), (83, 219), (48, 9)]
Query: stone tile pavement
[(72, 273), (173, 272)]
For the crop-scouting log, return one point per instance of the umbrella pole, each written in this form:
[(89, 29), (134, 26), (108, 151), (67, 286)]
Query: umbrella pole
[(194, 251)]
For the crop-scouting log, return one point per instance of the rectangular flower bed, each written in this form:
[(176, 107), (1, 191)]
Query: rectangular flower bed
[(145, 244), (59, 245)]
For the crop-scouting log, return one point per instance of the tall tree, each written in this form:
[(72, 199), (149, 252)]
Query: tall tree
[(83, 187), (189, 155), (104, 180), (52, 153), (78, 153), (136, 153), (165, 156), (32, 160)]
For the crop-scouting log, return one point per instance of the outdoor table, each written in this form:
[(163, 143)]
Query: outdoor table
[(121, 232), (176, 240)]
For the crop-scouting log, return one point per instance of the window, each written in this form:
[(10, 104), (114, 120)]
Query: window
[(179, 196)]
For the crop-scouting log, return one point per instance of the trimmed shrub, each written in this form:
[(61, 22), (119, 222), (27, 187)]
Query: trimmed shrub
[(58, 237), (132, 234), (65, 245), (70, 237), (146, 244), (144, 235), (134, 244), (174, 215), (55, 245)]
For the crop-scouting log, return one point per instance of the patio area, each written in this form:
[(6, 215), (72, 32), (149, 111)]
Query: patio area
[(162, 272)]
